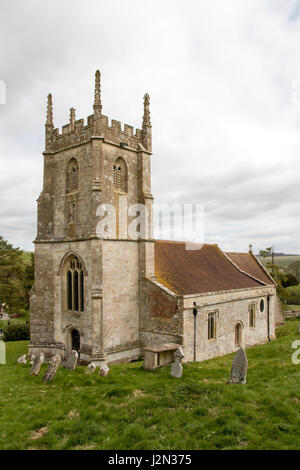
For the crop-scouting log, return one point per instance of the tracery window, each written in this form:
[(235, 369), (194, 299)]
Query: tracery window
[(120, 175), (74, 284)]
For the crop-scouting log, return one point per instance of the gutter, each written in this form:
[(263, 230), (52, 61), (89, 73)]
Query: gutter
[(268, 315)]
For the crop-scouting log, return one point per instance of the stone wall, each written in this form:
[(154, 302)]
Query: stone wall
[(160, 317), (231, 308), (120, 295)]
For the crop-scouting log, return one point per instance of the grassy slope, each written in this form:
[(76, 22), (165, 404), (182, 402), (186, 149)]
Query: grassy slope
[(135, 409), (283, 261)]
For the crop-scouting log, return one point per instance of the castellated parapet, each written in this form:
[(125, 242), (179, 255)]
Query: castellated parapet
[(76, 133)]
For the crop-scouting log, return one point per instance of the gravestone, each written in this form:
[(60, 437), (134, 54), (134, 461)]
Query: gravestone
[(239, 368), (38, 360), (22, 359), (72, 360), (52, 368), (31, 358), (90, 368), (299, 328), (176, 368), (104, 370), (2, 352)]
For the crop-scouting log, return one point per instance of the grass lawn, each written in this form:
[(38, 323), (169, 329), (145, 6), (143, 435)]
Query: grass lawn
[(293, 307), (136, 409)]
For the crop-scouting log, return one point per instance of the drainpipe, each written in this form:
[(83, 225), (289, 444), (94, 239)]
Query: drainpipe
[(195, 311), (268, 313)]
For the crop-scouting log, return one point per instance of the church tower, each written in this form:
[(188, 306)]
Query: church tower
[(94, 241)]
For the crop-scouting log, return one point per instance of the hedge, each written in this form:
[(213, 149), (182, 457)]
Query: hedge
[(16, 332)]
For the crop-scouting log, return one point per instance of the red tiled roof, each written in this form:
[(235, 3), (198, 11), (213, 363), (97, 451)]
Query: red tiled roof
[(197, 271), (247, 262)]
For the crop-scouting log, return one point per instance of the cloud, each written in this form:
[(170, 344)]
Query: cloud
[(225, 106)]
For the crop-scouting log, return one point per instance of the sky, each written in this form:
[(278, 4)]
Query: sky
[(224, 83)]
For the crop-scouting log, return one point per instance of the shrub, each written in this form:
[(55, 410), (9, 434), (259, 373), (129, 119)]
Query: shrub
[(294, 295), (16, 332)]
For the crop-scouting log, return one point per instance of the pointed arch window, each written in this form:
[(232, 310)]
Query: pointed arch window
[(74, 284), (120, 175), (72, 182)]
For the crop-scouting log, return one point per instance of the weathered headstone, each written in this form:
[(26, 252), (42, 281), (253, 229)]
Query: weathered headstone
[(239, 368), (52, 368), (104, 370), (22, 359), (176, 368), (31, 358), (90, 368), (38, 360), (299, 328), (72, 359), (2, 352)]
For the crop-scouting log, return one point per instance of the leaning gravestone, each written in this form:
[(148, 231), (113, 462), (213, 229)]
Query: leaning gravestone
[(176, 368), (2, 352), (52, 368), (90, 368), (239, 368), (72, 360), (104, 370), (36, 364)]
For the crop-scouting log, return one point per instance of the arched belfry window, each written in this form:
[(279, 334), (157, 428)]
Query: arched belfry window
[(72, 176), (120, 175), (74, 282)]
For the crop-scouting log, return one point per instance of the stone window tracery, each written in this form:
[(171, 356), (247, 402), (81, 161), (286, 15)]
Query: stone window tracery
[(74, 285)]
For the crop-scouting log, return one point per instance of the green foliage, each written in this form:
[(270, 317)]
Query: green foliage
[(290, 280), (295, 268), (294, 295), (28, 279), (136, 409), (16, 277), (16, 332), (265, 253), (280, 278), (11, 271)]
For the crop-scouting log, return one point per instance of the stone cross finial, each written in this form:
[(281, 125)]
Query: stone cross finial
[(49, 120), (146, 117), (250, 248), (72, 118), (97, 98)]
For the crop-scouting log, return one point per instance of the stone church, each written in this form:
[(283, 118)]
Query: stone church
[(110, 296)]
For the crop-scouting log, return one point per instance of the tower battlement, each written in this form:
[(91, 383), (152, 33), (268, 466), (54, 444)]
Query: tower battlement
[(77, 133)]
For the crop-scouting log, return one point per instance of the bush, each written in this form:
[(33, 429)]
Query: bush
[(290, 280), (16, 332), (294, 298)]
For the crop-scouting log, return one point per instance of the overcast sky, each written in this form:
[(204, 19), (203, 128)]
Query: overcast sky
[(224, 82)]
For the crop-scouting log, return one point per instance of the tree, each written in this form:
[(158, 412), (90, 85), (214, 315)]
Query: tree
[(11, 271), (267, 253), (28, 280), (295, 267), (291, 280)]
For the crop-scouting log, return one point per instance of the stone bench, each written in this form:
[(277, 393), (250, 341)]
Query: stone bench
[(158, 356)]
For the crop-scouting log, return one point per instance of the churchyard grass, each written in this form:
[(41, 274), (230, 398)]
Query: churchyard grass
[(136, 409)]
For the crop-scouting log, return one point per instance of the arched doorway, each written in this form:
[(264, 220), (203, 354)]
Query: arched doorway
[(75, 340), (238, 335)]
